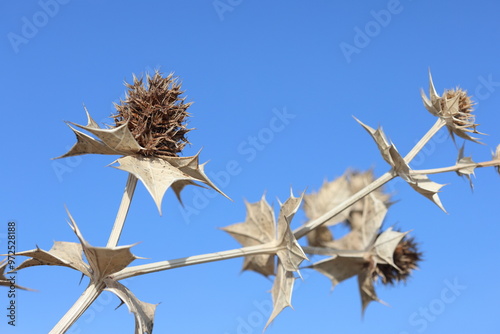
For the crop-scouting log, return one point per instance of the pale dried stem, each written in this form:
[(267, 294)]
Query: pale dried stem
[(425, 139), (122, 211), (455, 168), (79, 307), (332, 251), (312, 224), (269, 248)]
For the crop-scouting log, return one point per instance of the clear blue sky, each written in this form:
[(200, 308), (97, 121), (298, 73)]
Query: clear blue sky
[(244, 62)]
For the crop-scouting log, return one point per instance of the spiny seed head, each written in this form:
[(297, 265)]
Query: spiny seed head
[(156, 114), (455, 108), (463, 117), (406, 258)]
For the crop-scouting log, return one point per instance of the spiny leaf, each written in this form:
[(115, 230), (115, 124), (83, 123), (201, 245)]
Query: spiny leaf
[(113, 141), (257, 229), (367, 290), (156, 174), (87, 145), (328, 196), (192, 167), (119, 139), (388, 151), (281, 292), (143, 312), (4, 281), (364, 232), (467, 170), (339, 268), (159, 174), (104, 261), (62, 253), (291, 256), (380, 139), (423, 185), (386, 244)]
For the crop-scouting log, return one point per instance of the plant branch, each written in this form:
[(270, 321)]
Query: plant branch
[(79, 307), (455, 168), (269, 248), (122, 211), (312, 224), (332, 251), (425, 139)]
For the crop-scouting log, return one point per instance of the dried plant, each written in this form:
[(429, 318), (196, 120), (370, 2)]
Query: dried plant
[(150, 132)]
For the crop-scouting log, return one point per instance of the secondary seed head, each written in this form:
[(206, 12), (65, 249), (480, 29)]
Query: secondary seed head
[(455, 107)]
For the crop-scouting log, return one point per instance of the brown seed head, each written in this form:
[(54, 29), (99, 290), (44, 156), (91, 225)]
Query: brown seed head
[(156, 115), (406, 258)]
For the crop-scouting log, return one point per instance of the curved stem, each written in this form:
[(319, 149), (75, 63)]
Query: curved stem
[(122, 211), (128, 272)]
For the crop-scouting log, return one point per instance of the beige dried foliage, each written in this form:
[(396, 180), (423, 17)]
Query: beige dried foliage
[(455, 108), (406, 258), (4, 280), (144, 313), (362, 264), (468, 166), (157, 174), (419, 182), (365, 227), (102, 263), (114, 141), (281, 292), (260, 228), (327, 198)]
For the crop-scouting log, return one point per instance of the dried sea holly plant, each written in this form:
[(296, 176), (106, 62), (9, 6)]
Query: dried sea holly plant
[(149, 134)]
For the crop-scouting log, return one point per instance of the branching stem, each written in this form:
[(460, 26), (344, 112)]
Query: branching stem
[(312, 224), (79, 307), (455, 168), (128, 194), (269, 248)]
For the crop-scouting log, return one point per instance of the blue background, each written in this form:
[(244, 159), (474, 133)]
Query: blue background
[(242, 62)]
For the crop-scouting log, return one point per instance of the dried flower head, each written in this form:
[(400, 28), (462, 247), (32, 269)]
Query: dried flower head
[(156, 115), (406, 257), (455, 107)]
